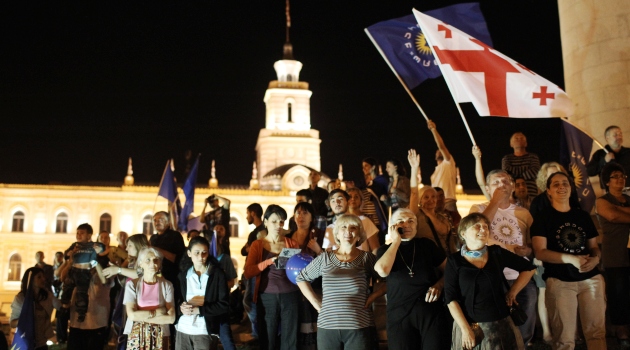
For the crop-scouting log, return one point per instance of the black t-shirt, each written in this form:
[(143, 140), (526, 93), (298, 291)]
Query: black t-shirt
[(568, 233), (403, 290), (481, 292), (319, 197), (172, 242), (251, 238)]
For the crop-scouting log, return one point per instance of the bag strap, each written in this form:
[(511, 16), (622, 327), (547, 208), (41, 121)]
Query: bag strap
[(435, 235)]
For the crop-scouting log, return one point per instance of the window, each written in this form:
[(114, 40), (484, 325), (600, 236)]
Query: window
[(62, 223), (289, 110), (15, 268), (18, 222), (233, 227), (147, 225), (105, 223), (289, 77)]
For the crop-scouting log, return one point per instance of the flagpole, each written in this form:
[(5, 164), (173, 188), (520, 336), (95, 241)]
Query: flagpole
[(589, 135), (450, 87), (396, 74), (160, 186)]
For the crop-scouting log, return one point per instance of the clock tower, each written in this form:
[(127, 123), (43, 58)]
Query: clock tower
[(287, 137)]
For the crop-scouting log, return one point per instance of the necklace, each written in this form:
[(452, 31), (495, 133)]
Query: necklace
[(473, 253), (413, 259)]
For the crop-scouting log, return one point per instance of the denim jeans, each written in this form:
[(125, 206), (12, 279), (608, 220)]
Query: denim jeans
[(527, 298), (81, 279), (250, 306), (278, 309), (225, 334)]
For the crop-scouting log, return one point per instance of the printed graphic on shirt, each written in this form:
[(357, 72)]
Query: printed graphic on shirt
[(505, 230), (571, 238)]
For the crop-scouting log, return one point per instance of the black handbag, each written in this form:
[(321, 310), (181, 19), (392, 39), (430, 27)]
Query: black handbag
[(519, 317)]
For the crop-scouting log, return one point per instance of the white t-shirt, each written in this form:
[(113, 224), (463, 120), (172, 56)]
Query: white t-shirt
[(445, 177), (508, 227), (195, 286)]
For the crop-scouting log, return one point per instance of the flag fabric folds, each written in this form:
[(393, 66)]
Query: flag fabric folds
[(168, 186), (189, 192), (495, 84), (24, 337), (575, 150), (168, 190), (406, 48), (213, 244)]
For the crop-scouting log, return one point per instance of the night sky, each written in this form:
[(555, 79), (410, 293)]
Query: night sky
[(85, 86)]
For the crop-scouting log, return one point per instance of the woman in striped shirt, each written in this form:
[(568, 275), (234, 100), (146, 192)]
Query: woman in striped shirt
[(344, 318)]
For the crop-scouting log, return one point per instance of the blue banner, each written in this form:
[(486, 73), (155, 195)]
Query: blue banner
[(189, 192), (168, 186), (24, 337), (406, 48), (575, 150)]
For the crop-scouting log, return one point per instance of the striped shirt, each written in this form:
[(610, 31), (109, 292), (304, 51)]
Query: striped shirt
[(345, 289), (526, 166)]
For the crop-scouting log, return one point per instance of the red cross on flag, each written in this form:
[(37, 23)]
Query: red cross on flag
[(495, 84)]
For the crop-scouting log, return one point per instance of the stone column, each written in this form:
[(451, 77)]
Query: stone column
[(596, 55)]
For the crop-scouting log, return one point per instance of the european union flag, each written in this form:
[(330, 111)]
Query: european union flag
[(575, 149), (406, 48), (189, 192), (24, 337), (168, 186)]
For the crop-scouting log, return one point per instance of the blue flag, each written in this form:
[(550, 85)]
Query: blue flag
[(168, 190), (575, 149), (213, 244), (168, 186), (189, 192), (406, 48), (24, 338)]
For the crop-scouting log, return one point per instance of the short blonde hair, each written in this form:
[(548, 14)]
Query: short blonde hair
[(147, 250), (349, 220), (541, 178)]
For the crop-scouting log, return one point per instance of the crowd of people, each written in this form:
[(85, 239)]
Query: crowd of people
[(528, 253)]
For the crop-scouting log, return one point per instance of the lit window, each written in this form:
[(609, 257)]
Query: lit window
[(233, 227), (18, 222), (62, 223), (15, 268), (147, 224), (105, 223)]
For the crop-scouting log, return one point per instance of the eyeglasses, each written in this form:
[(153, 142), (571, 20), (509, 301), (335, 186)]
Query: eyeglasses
[(617, 177)]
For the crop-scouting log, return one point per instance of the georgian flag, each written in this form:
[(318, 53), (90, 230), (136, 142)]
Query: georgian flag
[(495, 84)]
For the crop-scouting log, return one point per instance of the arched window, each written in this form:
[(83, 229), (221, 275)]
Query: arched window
[(18, 222), (105, 223), (15, 268), (289, 112), (289, 77), (62, 223), (233, 227), (147, 225)]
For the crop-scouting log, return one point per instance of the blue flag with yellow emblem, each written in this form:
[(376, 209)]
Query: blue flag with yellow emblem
[(24, 337), (406, 48), (575, 150)]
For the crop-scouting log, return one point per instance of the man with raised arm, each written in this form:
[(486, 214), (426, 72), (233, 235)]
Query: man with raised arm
[(445, 174)]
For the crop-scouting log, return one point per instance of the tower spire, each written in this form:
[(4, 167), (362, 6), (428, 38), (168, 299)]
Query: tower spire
[(287, 48)]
